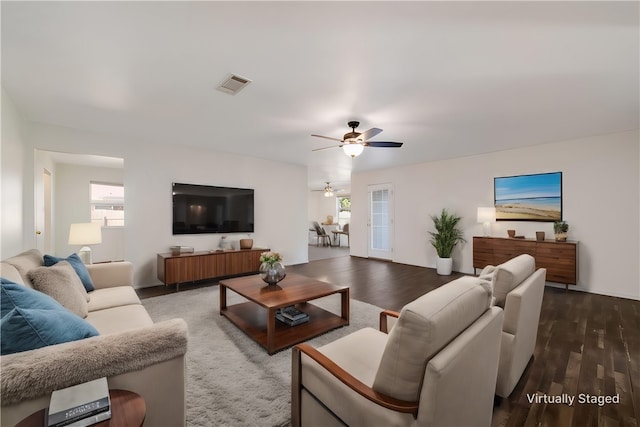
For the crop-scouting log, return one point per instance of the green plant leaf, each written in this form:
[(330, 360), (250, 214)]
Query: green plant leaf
[(447, 234)]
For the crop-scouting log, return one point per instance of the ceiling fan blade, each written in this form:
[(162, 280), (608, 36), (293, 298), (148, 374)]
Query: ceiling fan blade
[(383, 144), (324, 148), (328, 137), (330, 189), (369, 134)]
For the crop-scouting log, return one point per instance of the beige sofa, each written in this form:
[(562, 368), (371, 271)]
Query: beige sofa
[(518, 288), (131, 351), (436, 367)]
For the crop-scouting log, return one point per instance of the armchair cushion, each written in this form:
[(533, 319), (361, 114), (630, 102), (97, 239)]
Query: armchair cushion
[(77, 265), (359, 354), (62, 284), (510, 274), (425, 326)]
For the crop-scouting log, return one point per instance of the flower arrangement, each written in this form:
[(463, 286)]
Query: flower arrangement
[(270, 257)]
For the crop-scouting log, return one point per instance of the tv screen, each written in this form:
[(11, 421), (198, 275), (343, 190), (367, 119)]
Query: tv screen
[(529, 197), (209, 209)]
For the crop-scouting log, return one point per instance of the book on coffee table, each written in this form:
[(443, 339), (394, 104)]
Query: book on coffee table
[(292, 313), (291, 316), (290, 322), (80, 405)]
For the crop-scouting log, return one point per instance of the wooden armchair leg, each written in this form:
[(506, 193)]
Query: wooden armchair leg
[(295, 387)]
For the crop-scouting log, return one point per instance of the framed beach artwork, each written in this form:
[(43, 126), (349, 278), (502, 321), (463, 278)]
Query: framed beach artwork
[(535, 197)]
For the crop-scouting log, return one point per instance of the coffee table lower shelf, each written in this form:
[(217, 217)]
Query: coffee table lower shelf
[(252, 320)]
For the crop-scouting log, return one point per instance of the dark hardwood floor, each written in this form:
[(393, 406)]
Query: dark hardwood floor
[(587, 343)]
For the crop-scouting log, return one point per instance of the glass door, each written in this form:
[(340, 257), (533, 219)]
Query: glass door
[(380, 222)]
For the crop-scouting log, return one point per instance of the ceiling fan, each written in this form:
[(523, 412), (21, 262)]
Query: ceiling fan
[(353, 142), (328, 190)]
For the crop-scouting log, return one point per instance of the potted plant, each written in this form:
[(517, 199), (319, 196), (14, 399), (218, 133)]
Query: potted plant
[(445, 238), (560, 228)]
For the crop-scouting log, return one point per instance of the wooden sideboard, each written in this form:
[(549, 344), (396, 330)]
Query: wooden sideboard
[(189, 267), (559, 258)]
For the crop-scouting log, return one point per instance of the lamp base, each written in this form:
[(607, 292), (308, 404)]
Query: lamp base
[(486, 227), (85, 255)]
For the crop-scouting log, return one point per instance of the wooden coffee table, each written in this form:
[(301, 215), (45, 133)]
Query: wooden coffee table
[(257, 316)]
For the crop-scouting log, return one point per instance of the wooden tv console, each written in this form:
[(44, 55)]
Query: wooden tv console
[(559, 258), (188, 267)]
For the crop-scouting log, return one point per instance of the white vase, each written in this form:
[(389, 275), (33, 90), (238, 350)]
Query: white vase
[(444, 266)]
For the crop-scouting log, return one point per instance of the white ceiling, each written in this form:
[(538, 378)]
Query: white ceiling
[(448, 79), (86, 159)]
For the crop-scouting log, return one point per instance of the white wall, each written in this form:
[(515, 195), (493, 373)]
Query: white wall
[(12, 163), (151, 167), (601, 198), (72, 205), (320, 207), (45, 242), (595, 170)]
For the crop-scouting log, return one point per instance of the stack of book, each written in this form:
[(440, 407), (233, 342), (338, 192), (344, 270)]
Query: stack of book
[(291, 316), (80, 405)]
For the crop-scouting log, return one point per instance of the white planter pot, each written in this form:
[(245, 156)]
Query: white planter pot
[(444, 266)]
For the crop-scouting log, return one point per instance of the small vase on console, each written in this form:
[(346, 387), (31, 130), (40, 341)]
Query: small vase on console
[(246, 243)]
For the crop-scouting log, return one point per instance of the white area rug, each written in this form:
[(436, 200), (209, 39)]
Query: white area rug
[(231, 380)]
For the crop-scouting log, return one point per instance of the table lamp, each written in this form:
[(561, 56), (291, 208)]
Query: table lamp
[(85, 234), (486, 216)]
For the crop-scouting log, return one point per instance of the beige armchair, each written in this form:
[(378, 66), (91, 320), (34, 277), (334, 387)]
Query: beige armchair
[(518, 288), (436, 366)]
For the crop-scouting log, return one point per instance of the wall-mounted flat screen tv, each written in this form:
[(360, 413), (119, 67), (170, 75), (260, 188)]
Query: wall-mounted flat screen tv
[(209, 209), (528, 197)]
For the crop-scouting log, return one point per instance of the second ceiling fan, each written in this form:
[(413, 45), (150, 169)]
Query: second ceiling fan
[(354, 142), (328, 190)]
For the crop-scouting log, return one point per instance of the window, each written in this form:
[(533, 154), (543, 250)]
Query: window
[(107, 204), (344, 210)]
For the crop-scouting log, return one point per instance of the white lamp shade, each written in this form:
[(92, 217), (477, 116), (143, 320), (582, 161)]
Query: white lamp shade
[(486, 215), (85, 234), (352, 149)]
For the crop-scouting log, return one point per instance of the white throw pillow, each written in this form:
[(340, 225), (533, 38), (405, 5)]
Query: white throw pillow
[(62, 283)]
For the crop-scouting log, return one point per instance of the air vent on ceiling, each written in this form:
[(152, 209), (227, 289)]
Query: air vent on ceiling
[(233, 84)]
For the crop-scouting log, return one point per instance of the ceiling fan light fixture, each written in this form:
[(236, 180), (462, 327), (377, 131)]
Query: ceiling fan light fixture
[(328, 190), (353, 142), (352, 149)]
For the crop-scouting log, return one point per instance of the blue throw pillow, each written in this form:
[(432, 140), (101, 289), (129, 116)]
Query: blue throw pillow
[(77, 265), (31, 320), (14, 295)]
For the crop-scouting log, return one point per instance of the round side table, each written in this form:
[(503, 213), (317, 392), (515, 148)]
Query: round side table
[(128, 409)]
